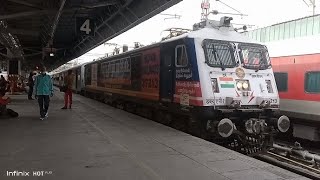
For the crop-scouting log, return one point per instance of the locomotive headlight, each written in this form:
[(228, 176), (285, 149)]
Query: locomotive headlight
[(245, 85), (239, 85)]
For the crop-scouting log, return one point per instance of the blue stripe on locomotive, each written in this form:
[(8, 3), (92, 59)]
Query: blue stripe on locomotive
[(190, 72)]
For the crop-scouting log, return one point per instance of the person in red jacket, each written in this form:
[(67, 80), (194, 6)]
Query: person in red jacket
[(4, 101), (4, 112), (68, 82)]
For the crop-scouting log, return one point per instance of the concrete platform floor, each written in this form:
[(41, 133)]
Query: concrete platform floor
[(95, 141)]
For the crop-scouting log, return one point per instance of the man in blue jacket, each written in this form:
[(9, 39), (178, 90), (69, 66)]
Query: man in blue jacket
[(43, 88)]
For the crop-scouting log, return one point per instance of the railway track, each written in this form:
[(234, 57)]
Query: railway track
[(284, 155), (295, 159)]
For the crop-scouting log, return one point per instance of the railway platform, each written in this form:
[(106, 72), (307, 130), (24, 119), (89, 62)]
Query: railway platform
[(96, 141)]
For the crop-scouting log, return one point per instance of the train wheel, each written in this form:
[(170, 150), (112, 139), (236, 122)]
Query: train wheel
[(130, 107), (167, 120), (194, 127), (204, 133), (163, 117), (179, 123), (105, 100), (158, 115), (121, 106), (147, 112)]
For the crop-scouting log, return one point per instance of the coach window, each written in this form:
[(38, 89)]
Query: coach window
[(281, 81), (181, 56), (312, 82)]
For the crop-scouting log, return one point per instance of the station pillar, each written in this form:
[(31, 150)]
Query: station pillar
[(14, 64), (14, 73)]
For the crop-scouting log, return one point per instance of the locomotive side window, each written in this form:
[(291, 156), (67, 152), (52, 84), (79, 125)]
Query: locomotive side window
[(281, 81), (181, 56), (219, 54), (312, 82)]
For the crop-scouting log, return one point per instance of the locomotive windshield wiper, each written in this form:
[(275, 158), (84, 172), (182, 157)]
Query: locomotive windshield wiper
[(262, 61), (218, 57), (259, 66)]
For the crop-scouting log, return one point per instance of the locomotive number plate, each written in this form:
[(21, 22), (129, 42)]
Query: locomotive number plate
[(273, 101), (184, 99)]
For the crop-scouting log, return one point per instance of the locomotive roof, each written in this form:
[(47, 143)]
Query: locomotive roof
[(296, 46), (223, 34)]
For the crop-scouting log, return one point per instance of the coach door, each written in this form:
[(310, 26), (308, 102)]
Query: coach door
[(166, 73)]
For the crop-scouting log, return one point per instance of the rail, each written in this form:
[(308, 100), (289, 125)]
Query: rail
[(295, 159)]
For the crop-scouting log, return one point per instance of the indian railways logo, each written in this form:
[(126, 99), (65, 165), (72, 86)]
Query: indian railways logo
[(240, 73)]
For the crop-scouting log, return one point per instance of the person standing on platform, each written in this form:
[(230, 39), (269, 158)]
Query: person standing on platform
[(68, 82), (4, 112), (3, 84), (30, 84), (43, 89)]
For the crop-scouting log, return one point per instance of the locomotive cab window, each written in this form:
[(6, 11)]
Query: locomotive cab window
[(281, 81), (219, 54), (181, 56), (312, 82), (254, 56)]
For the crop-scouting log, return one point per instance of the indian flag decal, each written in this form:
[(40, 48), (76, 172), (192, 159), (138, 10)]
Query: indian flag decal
[(226, 82)]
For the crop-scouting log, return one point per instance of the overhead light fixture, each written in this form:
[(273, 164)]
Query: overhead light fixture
[(51, 52)]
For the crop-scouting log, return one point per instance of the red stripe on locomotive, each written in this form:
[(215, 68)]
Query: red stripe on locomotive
[(192, 88)]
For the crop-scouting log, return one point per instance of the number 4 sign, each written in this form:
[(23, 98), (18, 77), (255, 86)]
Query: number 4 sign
[(85, 26)]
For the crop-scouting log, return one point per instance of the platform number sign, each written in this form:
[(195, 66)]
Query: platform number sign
[(85, 26)]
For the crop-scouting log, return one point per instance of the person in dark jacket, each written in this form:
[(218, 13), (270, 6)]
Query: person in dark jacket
[(3, 84), (30, 84)]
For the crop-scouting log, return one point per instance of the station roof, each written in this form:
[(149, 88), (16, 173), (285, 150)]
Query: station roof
[(32, 29), (293, 29)]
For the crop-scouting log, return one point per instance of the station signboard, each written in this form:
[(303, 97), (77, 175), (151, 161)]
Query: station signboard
[(85, 26)]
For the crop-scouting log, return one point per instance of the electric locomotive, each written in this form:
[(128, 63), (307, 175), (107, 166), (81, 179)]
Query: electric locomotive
[(213, 81)]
